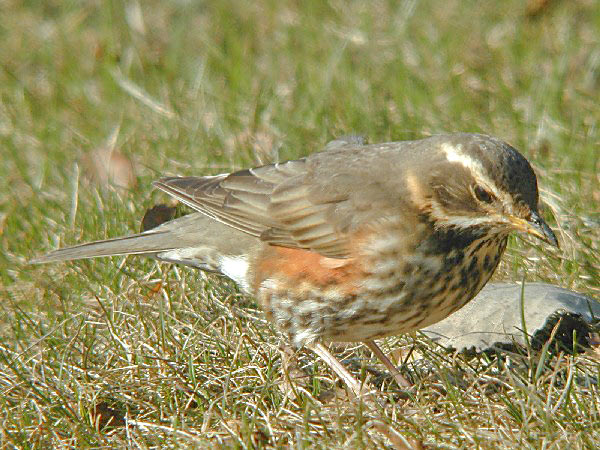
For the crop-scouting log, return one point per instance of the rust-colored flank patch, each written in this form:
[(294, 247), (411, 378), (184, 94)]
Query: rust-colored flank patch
[(299, 265)]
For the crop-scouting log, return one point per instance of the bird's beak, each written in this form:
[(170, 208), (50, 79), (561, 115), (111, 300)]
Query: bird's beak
[(535, 226)]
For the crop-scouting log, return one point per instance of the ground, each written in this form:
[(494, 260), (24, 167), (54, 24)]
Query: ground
[(100, 98)]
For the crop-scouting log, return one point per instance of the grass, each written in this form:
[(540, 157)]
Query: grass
[(205, 87)]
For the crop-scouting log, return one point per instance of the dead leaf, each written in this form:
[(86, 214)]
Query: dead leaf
[(157, 215), (107, 167)]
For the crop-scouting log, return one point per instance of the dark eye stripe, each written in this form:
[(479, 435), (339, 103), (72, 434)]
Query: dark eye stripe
[(483, 195)]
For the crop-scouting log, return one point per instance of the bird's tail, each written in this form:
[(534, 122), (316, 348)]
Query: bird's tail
[(194, 240), (143, 243)]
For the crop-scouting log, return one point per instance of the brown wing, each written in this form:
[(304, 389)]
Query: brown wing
[(207, 195), (271, 202), (312, 203)]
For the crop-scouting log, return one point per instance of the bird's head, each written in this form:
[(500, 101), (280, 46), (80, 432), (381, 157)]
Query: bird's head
[(480, 181)]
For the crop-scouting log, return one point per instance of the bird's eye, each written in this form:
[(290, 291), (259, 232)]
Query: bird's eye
[(483, 195)]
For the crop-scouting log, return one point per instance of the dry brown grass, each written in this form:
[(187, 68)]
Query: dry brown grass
[(129, 353)]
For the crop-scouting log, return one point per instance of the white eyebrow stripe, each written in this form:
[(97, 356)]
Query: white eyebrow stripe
[(454, 154)]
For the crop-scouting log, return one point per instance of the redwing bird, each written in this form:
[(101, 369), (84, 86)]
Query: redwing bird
[(354, 243)]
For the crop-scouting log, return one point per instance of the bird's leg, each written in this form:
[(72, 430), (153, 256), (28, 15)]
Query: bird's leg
[(402, 382), (355, 386), (398, 441), (293, 374)]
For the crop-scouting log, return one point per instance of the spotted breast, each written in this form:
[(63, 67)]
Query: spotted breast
[(396, 281)]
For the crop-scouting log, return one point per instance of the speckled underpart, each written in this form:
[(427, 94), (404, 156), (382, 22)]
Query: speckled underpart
[(393, 285)]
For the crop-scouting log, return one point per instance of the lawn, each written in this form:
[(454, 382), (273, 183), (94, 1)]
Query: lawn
[(98, 99)]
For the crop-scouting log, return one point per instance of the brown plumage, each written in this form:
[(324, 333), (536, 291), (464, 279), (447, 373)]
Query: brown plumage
[(354, 243)]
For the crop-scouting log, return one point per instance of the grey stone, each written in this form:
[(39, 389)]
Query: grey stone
[(493, 319)]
